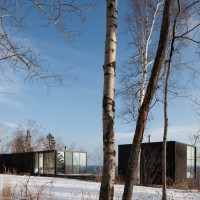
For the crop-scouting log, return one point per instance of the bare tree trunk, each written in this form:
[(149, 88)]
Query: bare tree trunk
[(168, 68), (108, 176), (147, 33), (143, 113), (164, 146)]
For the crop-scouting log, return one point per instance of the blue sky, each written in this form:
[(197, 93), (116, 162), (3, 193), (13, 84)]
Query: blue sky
[(74, 112)]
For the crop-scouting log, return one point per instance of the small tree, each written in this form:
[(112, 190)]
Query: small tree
[(18, 144), (27, 137), (22, 142), (50, 142)]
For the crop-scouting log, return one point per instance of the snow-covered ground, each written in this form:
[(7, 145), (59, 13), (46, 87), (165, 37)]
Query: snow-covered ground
[(62, 188)]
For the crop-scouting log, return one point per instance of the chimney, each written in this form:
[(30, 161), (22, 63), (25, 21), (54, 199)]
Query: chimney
[(149, 138)]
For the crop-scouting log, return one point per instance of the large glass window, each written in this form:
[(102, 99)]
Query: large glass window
[(60, 163), (49, 163), (83, 161), (63, 162), (68, 162), (75, 162), (40, 163), (36, 163), (190, 162)]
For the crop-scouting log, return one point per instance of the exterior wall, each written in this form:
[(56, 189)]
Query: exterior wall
[(151, 162), (180, 162), (18, 162), (51, 163), (184, 158), (123, 155)]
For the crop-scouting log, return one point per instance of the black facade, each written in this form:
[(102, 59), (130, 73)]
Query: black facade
[(51, 163), (19, 163), (181, 162)]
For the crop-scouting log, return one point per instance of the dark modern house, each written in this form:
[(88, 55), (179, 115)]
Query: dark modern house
[(50, 163), (181, 162)]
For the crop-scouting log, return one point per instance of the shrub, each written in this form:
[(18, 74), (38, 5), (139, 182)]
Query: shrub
[(23, 191)]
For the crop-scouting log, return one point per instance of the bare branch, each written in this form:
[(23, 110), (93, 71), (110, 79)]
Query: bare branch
[(189, 31), (188, 38)]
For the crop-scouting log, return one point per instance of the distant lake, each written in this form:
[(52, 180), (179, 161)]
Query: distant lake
[(92, 169)]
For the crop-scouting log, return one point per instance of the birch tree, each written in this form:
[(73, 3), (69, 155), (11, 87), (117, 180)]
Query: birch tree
[(108, 174), (144, 109), (141, 23)]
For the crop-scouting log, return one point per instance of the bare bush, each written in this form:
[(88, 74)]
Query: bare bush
[(7, 190), (24, 190), (192, 184), (150, 167)]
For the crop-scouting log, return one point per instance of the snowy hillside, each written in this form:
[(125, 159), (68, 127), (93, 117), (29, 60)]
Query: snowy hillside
[(61, 188)]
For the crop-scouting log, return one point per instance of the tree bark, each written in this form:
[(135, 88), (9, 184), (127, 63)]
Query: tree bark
[(148, 26), (164, 145), (143, 112), (108, 176), (168, 68)]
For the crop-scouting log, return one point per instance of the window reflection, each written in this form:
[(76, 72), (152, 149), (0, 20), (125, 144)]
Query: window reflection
[(68, 162), (190, 162), (75, 162), (60, 163), (83, 163), (36, 163), (53, 162), (49, 162), (40, 163)]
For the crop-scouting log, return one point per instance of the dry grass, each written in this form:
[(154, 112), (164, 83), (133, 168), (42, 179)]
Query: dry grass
[(7, 190), (98, 177), (193, 184), (118, 179), (10, 171), (24, 191)]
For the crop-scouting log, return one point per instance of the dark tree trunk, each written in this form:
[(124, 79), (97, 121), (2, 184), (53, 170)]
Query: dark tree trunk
[(168, 68), (151, 88), (164, 145)]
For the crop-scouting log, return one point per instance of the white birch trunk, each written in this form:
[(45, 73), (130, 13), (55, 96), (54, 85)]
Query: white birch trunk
[(108, 176)]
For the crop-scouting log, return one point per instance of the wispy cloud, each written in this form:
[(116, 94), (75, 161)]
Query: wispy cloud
[(124, 135), (178, 133), (9, 90), (88, 90), (10, 102), (9, 124)]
